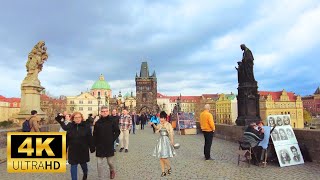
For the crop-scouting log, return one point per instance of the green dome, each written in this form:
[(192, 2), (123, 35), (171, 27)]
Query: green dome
[(127, 94), (101, 84)]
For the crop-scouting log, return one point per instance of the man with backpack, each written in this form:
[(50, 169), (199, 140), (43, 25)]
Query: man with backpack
[(34, 122)]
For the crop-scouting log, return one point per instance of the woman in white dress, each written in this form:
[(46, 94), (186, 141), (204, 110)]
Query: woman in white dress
[(164, 148)]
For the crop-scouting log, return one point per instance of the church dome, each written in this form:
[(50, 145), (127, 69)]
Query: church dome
[(127, 95), (101, 84)]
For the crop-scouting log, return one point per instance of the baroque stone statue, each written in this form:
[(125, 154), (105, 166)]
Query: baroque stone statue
[(245, 66), (248, 97), (36, 58)]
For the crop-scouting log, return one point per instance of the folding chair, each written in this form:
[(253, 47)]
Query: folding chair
[(245, 150)]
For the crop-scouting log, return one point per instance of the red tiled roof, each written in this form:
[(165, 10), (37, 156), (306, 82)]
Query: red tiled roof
[(159, 95), (10, 100), (44, 97), (185, 98), (212, 96), (276, 95)]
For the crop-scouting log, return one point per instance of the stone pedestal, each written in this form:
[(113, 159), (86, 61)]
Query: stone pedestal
[(248, 103), (30, 100)]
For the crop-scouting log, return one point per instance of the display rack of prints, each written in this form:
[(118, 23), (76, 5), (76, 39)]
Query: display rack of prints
[(186, 123), (284, 140)]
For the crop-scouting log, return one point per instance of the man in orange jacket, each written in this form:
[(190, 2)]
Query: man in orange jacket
[(208, 128)]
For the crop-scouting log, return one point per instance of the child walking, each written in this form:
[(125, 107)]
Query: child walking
[(164, 148)]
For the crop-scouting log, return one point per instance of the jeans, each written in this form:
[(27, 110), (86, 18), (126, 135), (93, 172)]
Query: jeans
[(74, 170), (208, 136), (142, 125), (133, 128)]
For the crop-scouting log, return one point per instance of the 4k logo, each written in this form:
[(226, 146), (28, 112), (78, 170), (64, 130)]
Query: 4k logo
[(36, 152)]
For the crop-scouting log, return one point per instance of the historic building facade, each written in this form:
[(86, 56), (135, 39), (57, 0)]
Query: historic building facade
[(146, 90), (9, 107), (85, 103), (90, 102), (163, 102), (206, 99), (226, 109), (282, 102), (130, 101), (312, 103)]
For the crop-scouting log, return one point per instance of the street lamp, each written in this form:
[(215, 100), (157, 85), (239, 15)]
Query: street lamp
[(99, 98)]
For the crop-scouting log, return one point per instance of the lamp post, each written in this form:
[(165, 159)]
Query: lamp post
[(99, 98)]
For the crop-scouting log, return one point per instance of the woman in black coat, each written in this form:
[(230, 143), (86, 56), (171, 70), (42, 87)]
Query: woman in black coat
[(79, 140), (106, 131)]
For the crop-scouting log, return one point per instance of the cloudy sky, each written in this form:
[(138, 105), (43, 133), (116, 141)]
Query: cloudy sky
[(193, 45)]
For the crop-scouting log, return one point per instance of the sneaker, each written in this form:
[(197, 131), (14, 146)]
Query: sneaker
[(126, 150), (121, 149), (67, 163), (114, 150), (210, 159), (117, 144)]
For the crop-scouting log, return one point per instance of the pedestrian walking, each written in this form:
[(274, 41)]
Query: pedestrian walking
[(155, 120), (125, 124), (106, 131), (80, 141), (115, 118), (134, 118), (164, 148)]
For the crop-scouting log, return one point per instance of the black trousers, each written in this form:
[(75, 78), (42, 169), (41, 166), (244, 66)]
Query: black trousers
[(142, 125), (208, 136), (154, 130)]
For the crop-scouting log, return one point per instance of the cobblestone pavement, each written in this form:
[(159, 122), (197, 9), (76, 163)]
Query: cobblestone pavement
[(188, 164)]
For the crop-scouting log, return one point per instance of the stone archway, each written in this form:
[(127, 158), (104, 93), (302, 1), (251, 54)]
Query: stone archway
[(145, 110)]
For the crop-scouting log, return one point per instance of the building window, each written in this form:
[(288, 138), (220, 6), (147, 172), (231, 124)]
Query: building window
[(98, 93), (80, 102), (71, 102), (71, 108), (80, 108), (89, 102), (92, 93), (89, 108)]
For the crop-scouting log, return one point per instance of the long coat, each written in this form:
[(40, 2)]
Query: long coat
[(79, 138), (106, 131)]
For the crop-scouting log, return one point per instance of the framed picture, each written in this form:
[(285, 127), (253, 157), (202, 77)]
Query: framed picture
[(279, 120), (282, 135), (289, 155)]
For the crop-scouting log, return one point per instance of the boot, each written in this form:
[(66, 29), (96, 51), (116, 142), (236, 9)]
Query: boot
[(112, 174), (85, 176)]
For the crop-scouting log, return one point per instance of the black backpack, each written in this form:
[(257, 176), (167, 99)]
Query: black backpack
[(26, 126)]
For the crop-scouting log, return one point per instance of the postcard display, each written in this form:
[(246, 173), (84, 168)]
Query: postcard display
[(284, 140), (186, 123)]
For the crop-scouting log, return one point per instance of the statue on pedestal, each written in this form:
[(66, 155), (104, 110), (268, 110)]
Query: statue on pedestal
[(31, 86), (248, 97), (36, 58)]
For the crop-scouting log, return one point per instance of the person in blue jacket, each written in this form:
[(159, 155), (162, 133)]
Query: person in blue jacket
[(155, 120)]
